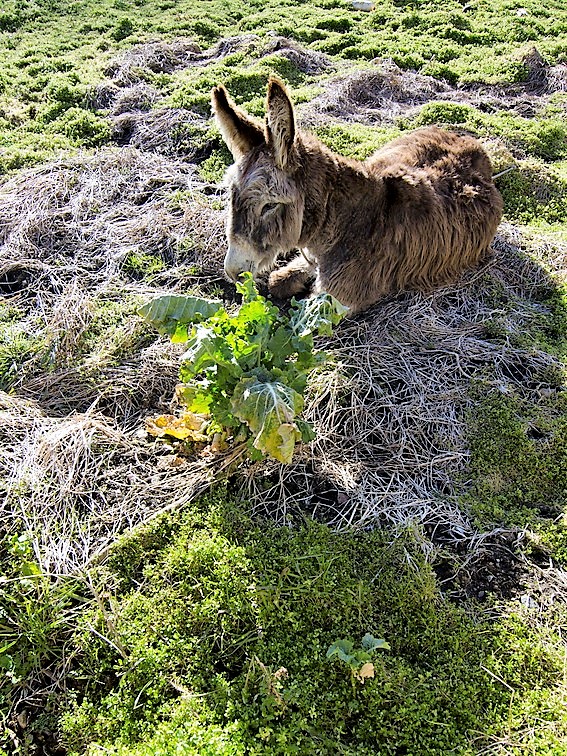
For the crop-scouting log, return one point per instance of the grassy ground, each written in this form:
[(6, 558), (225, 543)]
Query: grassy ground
[(138, 616)]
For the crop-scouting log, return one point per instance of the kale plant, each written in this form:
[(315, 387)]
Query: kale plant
[(243, 375)]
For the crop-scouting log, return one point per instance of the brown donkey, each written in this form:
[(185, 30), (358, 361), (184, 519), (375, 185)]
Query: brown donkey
[(412, 216)]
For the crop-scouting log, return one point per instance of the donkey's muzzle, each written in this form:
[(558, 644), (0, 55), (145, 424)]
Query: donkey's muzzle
[(236, 263)]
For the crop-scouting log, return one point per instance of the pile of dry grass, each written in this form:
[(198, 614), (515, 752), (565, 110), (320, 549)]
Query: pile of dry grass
[(75, 483), (155, 57), (76, 221), (389, 410), (133, 105), (387, 92), (375, 96), (306, 61), (73, 469)]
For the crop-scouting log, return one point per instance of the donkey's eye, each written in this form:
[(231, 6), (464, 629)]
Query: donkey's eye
[(269, 206)]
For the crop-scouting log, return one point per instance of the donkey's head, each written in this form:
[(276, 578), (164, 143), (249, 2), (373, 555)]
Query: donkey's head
[(266, 205)]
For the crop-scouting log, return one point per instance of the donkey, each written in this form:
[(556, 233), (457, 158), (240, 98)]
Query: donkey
[(413, 216)]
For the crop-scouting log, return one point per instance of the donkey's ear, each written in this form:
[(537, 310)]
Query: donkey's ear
[(280, 120), (240, 131)]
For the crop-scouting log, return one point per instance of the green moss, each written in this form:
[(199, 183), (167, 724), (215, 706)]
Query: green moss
[(518, 465), (21, 346), (44, 40), (446, 113), (214, 167), (225, 626), (246, 83), (544, 138), (140, 264), (83, 128), (354, 140), (534, 193)]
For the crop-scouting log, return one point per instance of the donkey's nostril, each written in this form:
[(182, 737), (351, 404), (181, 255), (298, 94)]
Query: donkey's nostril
[(232, 273)]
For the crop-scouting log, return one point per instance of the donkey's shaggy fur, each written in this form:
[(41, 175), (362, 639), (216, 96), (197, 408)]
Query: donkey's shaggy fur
[(412, 216)]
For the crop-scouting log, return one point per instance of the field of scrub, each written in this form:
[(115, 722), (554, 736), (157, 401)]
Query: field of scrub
[(399, 586)]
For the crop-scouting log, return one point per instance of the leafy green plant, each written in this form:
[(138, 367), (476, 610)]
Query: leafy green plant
[(243, 375), (358, 660)]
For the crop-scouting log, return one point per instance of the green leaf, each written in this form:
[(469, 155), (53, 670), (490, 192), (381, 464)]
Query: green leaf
[(30, 569), (269, 409), (306, 430), (195, 397), (316, 315), (6, 661), (280, 346), (247, 288), (204, 349), (170, 314), (370, 643), (341, 648)]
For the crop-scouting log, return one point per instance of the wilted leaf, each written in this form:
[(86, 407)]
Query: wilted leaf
[(171, 461), (188, 426), (170, 314), (366, 671), (269, 410)]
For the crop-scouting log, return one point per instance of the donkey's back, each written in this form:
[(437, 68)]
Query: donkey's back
[(437, 212)]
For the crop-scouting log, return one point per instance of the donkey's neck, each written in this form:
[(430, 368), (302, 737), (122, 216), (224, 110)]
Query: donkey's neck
[(334, 188)]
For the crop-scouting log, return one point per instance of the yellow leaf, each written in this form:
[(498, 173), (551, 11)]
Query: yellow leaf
[(367, 670), (189, 426), (281, 444)]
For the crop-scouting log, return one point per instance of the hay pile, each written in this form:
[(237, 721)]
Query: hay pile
[(74, 469), (389, 408), (384, 93)]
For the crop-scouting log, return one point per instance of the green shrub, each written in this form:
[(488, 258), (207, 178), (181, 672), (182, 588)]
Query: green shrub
[(123, 29), (355, 140), (445, 113), (534, 194), (337, 23)]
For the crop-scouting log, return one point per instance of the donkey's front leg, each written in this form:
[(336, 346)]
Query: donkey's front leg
[(293, 279)]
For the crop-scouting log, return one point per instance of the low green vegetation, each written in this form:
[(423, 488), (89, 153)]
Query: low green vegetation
[(355, 140), (37, 614), (212, 631), (518, 467), (55, 52)]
